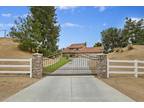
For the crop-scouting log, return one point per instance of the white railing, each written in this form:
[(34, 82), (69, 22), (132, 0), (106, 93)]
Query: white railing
[(134, 66), (50, 61), (7, 65)]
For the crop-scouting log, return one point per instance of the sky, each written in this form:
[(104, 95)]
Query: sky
[(78, 24)]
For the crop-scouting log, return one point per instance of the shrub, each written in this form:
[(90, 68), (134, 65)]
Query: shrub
[(66, 56), (130, 47), (118, 50), (27, 45), (121, 50)]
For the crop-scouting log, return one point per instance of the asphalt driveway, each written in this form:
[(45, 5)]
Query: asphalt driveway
[(69, 89)]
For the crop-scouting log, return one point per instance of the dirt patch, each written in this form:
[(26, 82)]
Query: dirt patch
[(11, 85), (136, 53), (9, 49), (130, 86)]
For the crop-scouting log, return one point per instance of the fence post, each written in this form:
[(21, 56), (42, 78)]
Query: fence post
[(30, 67), (136, 68), (37, 65), (101, 69), (107, 68)]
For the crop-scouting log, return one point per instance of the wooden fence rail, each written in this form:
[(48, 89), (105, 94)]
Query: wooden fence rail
[(14, 65), (50, 61), (125, 67)]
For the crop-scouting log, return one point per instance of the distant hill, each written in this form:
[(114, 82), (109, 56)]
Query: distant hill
[(136, 53), (9, 49)]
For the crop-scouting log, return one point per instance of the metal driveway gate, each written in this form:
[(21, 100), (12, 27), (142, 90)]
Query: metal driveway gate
[(84, 64)]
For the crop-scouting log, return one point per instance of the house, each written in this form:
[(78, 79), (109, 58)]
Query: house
[(81, 48)]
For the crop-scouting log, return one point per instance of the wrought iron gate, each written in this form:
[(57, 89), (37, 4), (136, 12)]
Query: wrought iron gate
[(84, 64)]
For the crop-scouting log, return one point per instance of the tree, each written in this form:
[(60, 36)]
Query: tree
[(111, 38), (98, 44), (133, 31), (85, 44), (39, 31)]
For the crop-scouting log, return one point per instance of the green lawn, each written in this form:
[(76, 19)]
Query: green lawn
[(55, 66)]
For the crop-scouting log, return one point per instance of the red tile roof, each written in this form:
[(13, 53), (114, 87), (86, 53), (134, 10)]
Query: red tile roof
[(91, 50), (85, 50), (80, 45), (81, 48)]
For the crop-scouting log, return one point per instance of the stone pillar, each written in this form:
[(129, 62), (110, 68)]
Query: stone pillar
[(37, 65), (101, 68)]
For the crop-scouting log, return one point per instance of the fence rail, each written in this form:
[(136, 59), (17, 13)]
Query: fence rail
[(50, 61), (7, 65), (131, 67)]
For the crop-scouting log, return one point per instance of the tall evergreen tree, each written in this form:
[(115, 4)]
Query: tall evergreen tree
[(111, 39), (133, 31), (39, 31)]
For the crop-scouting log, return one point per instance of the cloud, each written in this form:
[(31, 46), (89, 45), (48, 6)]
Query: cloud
[(22, 16), (100, 8), (67, 7), (6, 14), (68, 24), (104, 24), (14, 16), (136, 18), (2, 25)]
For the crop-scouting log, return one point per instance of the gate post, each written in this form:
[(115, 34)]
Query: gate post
[(101, 67), (37, 65)]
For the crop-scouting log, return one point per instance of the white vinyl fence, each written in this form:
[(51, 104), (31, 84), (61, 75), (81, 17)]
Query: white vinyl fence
[(14, 65), (135, 67), (49, 61)]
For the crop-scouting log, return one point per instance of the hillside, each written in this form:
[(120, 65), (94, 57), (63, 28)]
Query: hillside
[(136, 53), (9, 49)]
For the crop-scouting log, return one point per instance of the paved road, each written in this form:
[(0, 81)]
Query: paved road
[(69, 89)]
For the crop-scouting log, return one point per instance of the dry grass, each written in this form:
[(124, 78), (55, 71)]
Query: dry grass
[(127, 84), (9, 49), (136, 53), (11, 85), (130, 86)]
